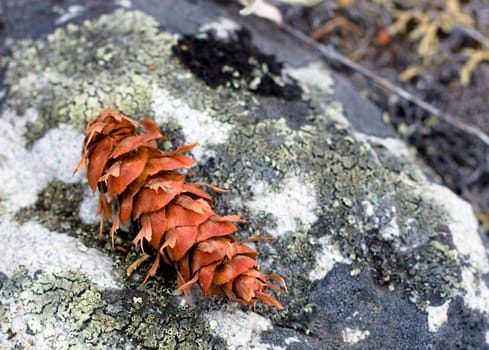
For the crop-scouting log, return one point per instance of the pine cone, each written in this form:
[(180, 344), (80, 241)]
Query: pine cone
[(142, 183)]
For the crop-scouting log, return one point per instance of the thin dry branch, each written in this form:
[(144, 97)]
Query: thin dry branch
[(333, 56), (475, 34)]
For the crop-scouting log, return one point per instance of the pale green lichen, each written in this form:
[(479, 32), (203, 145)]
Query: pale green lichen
[(64, 310), (345, 172), (79, 70), (58, 309), (56, 208)]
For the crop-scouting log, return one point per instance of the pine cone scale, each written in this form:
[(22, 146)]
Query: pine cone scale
[(206, 277), (183, 238), (130, 143), (99, 157), (212, 228), (129, 170), (158, 227), (151, 198), (178, 215), (238, 265)]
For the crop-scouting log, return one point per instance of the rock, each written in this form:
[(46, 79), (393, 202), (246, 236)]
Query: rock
[(375, 253)]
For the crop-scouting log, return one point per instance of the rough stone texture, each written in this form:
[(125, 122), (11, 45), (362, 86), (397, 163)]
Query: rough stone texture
[(374, 254)]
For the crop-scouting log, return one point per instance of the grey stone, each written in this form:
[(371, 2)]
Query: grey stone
[(375, 254)]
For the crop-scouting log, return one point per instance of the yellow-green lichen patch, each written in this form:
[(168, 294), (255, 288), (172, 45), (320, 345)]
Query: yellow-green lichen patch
[(370, 204), (53, 310), (147, 314), (119, 60), (78, 70), (63, 310)]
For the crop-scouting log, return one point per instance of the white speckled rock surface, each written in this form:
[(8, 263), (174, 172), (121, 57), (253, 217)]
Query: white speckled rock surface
[(375, 255)]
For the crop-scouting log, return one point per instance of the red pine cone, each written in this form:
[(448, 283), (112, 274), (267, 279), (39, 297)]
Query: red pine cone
[(148, 186)]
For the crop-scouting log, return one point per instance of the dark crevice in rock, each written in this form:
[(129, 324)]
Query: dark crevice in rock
[(234, 61)]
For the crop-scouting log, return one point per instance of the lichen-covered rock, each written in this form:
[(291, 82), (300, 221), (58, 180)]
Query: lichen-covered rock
[(375, 253)]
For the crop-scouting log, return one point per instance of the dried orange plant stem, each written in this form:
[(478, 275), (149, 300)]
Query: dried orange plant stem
[(139, 182)]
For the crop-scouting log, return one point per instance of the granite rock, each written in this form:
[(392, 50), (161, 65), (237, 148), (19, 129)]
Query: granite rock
[(375, 252)]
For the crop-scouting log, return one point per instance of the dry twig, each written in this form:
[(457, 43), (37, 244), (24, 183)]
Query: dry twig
[(333, 56)]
